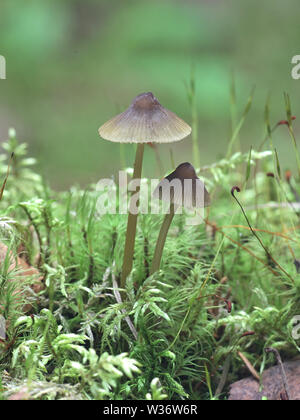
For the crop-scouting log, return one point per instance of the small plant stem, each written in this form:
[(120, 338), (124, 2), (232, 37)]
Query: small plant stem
[(290, 128), (119, 300), (48, 229), (158, 160), (146, 256), (283, 374), (269, 256), (132, 220), (195, 132), (249, 365), (35, 226), (233, 109), (6, 177), (162, 239), (291, 132), (122, 156), (191, 90), (224, 375), (208, 381), (51, 292), (219, 229), (172, 158), (240, 124)]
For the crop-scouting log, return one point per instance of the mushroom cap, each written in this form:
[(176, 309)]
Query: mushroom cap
[(145, 121), (183, 188)]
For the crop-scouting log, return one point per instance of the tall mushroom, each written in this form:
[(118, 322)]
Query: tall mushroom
[(146, 120), (180, 188)]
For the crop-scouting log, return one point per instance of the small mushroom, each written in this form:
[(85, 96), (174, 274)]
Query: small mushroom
[(181, 188), (146, 120)]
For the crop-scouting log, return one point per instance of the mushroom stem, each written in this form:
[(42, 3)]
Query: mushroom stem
[(162, 239), (132, 220)]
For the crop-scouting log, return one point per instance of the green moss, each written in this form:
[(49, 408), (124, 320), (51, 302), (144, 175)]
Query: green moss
[(174, 325)]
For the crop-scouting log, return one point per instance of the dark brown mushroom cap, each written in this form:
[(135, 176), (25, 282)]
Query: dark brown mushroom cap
[(183, 188), (146, 120)]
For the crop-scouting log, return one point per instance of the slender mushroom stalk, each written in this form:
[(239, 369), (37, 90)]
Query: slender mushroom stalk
[(132, 220), (162, 239), (191, 194), (146, 120)]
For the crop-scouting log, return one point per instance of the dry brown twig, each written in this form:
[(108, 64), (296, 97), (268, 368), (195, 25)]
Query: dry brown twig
[(249, 365)]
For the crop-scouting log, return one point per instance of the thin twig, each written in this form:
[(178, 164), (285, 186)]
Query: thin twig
[(260, 230), (283, 374), (6, 177), (219, 229), (249, 365), (269, 256), (223, 376)]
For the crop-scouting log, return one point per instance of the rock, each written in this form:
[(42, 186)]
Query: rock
[(248, 389)]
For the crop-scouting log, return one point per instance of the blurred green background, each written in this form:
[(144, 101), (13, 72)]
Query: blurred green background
[(73, 64)]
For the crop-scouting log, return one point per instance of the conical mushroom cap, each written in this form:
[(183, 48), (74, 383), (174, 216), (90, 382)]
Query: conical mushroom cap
[(145, 121), (183, 188)]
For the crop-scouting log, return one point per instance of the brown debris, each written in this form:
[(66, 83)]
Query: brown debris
[(26, 272), (273, 386), (249, 365), (20, 395), (145, 121)]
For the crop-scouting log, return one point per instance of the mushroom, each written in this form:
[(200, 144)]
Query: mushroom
[(146, 120), (181, 188)]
